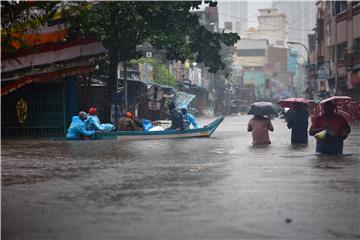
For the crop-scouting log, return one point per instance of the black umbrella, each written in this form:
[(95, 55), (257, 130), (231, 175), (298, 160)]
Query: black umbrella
[(263, 108)]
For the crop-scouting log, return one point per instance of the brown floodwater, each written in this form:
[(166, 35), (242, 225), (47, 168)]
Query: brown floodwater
[(197, 188)]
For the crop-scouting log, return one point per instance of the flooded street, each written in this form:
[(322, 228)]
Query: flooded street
[(201, 188)]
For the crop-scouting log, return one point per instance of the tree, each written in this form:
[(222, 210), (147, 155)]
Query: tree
[(20, 16), (121, 26), (161, 73), (163, 76)]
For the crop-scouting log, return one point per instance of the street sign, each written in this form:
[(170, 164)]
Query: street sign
[(324, 71), (154, 106), (311, 67), (155, 93)]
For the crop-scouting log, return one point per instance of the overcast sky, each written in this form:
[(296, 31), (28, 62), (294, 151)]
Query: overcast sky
[(253, 12)]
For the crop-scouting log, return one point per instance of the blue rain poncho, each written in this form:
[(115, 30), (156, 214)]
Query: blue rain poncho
[(147, 125), (297, 120), (93, 123), (191, 120), (76, 129)]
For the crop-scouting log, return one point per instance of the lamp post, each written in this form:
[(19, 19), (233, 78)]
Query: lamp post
[(308, 62), (306, 48)]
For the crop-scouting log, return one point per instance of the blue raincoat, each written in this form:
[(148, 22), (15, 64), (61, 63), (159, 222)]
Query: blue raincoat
[(297, 120), (93, 123), (147, 124), (76, 129), (191, 120)]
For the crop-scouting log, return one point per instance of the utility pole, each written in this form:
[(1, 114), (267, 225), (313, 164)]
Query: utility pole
[(125, 85)]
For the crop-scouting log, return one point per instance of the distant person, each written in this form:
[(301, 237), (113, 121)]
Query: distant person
[(126, 123), (77, 130), (297, 121), (176, 117), (189, 118), (259, 126), (93, 122), (330, 130)]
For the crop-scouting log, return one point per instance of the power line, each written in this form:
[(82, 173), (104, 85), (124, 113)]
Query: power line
[(245, 19), (275, 33), (299, 16), (305, 10)]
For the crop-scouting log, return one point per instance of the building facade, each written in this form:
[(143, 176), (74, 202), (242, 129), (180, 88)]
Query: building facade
[(301, 18), (39, 87), (272, 26), (338, 48)]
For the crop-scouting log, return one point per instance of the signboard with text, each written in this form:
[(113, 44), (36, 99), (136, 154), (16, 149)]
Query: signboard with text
[(323, 71)]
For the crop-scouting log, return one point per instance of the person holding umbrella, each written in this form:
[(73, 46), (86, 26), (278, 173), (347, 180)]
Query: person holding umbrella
[(298, 123), (260, 125), (330, 129), (297, 119)]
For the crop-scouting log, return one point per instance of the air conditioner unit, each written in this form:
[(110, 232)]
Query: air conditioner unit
[(148, 54)]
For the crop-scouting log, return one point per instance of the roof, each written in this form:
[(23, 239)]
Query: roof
[(51, 53), (50, 73)]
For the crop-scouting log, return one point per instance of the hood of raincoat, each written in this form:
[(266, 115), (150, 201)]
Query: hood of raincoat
[(76, 119)]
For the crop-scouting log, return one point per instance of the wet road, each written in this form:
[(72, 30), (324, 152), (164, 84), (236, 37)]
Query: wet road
[(216, 188)]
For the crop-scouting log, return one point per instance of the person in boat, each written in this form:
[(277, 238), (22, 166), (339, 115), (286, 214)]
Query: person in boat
[(176, 117), (259, 126), (126, 123), (330, 130), (137, 121), (93, 122), (297, 121), (189, 118), (77, 130)]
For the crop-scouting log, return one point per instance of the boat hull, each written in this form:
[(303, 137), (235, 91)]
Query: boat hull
[(167, 134)]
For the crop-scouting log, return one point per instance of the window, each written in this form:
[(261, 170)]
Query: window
[(251, 52), (341, 50), (356, 46), (339, 6)]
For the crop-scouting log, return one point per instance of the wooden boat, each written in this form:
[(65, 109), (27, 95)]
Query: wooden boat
[(205, 131)]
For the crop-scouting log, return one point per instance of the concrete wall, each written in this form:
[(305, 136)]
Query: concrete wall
[(356, 26), (249, 61), (277, 59), (273, 26), (341, 30)]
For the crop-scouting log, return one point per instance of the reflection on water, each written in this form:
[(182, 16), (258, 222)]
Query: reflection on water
[(221, 187)]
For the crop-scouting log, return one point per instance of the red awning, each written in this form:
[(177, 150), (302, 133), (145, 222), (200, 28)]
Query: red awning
[(52, 53), (46, 76)]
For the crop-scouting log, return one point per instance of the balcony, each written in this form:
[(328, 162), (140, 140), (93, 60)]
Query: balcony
[(355, 60)]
